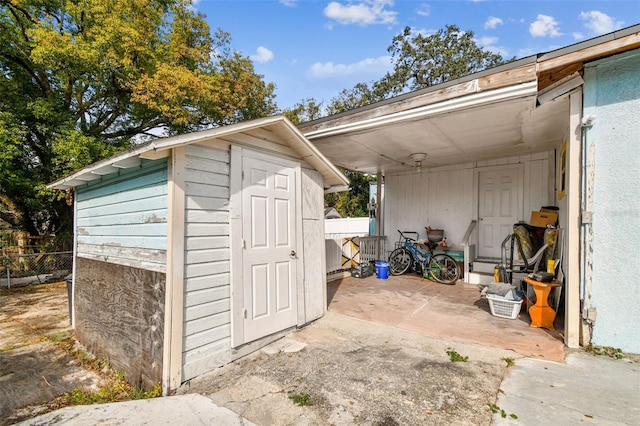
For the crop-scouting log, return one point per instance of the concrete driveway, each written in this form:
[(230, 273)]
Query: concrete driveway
[(455, 312), (402, 351)]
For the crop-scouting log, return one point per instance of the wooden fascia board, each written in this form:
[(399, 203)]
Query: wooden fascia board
[(509, 77), (551, 77), (591, 53)]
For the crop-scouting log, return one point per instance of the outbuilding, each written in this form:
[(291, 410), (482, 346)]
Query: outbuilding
[(194, 250)]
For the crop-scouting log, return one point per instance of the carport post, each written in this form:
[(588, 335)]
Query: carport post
[(378, 214), (572, 250)]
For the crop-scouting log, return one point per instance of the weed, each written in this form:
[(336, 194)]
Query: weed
[(114, 387), (57, 337), (495, 409), (456, 357), (510, 361), (614, 353), (301, 399)]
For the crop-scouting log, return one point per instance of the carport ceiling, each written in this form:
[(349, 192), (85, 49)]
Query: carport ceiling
[(483, 131)]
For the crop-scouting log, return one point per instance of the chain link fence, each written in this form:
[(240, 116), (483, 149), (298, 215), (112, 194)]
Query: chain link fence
[(37, 268)]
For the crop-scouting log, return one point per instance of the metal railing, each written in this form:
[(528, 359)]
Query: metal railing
[(35, 268)]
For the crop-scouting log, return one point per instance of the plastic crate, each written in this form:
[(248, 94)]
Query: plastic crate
[(362, 270), (504, 308)]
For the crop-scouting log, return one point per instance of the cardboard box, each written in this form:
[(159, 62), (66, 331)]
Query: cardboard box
[(542, 219)]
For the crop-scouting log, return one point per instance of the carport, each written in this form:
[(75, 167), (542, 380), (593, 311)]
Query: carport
[(476, 155)]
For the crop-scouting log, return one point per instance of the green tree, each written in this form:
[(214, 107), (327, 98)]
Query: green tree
[(306, 110), (84, 79), (421, 61), (352, 203)]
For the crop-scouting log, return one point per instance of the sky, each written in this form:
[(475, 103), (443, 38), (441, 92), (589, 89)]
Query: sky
[(317, 48)]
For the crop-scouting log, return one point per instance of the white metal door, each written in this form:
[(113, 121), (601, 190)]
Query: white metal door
[(269, 255), (499, 200)]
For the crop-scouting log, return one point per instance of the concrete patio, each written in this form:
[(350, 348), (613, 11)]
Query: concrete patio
[(454, 312)]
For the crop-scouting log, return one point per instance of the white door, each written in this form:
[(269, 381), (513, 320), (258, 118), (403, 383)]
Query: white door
[(499, 206), (269, 254)]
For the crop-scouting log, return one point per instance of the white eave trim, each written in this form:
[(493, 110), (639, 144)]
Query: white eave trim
[(560, 88), (476, 99), (132, 158)]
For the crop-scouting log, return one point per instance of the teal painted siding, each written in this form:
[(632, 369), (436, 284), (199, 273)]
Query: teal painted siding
[(612, 95), (207, 316), (123, 217)]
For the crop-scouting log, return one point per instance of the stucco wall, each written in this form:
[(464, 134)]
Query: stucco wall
[(612, 95)]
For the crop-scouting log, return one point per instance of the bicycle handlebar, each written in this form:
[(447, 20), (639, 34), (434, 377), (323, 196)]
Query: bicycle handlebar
[(402, 234)]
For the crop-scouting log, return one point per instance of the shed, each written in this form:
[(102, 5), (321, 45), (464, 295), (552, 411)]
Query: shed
[(194, 250)]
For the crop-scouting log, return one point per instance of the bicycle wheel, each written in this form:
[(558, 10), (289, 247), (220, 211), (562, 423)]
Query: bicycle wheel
[(399, 261), (444, 269)]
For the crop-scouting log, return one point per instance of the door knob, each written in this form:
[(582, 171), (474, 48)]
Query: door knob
[(293, 253)]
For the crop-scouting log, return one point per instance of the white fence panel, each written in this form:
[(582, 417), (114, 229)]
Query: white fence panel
[(346, 227)]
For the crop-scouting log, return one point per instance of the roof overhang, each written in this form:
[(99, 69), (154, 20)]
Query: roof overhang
[(276, 130), (516, 109), (476, 125)]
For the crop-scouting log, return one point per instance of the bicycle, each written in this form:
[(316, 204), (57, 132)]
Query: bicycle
[(440, 267)]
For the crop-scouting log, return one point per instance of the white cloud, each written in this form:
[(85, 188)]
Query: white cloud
[(365, 12), (262, 55), (490, 43), (545, 26), (364, 70), (577, 35), (424, 10), (492, 22), (599, 23), (422, 31), (486, 40), (289, 3)]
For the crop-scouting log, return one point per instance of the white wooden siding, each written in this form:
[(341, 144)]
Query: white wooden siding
[(312, 295), (207, 316), (123, 218), (444, 197)]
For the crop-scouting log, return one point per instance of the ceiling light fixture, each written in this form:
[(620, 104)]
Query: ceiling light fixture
[(418, 158)]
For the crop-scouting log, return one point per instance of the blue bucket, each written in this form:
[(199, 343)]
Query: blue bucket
[(382, 269)]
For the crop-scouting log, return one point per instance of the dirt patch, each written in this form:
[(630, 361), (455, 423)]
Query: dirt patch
[(29, 313), (33, 369)]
